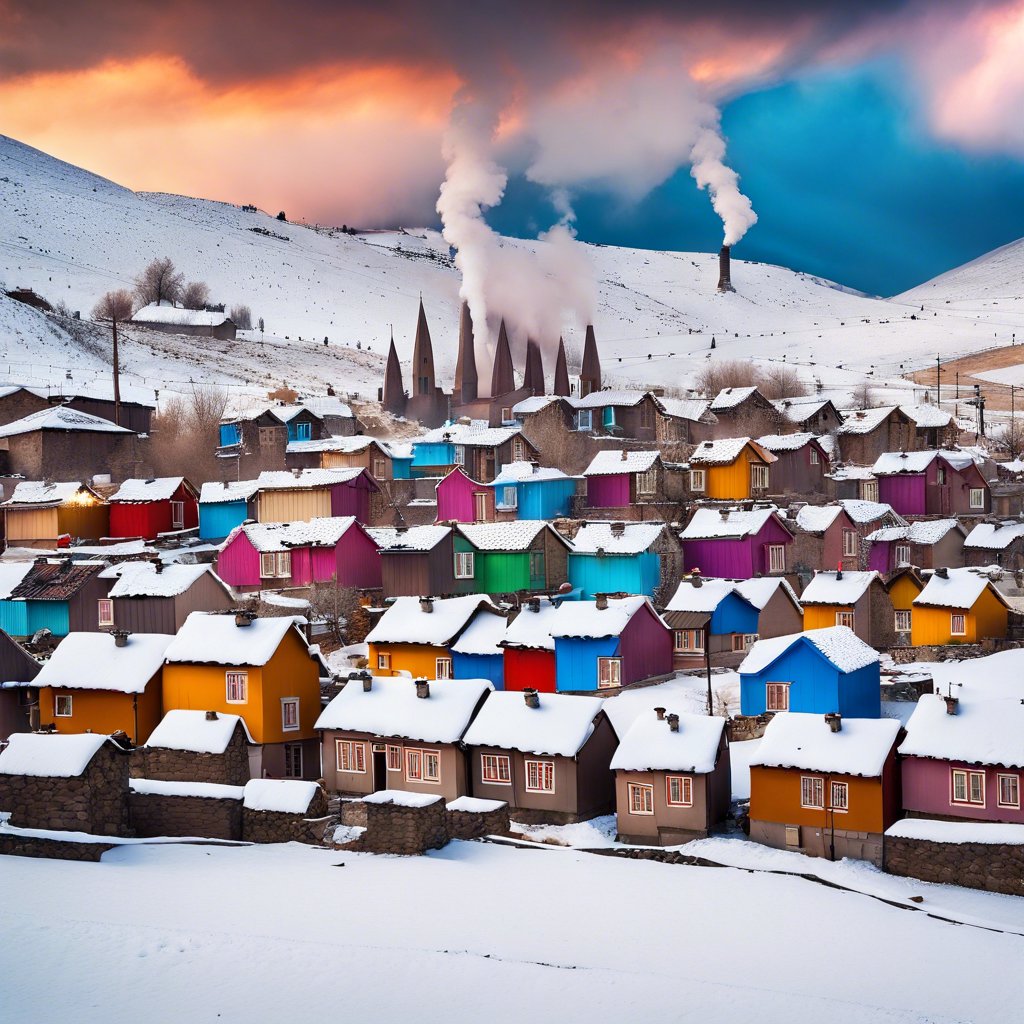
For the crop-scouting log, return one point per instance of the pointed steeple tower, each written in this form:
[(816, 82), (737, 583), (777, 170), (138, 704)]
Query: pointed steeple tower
[(503, 376), (393, 393), (466, 383), (533, 376), (561, 372), (422, 357), (590, 374)]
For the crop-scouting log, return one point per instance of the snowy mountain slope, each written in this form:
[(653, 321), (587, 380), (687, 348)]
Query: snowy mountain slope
[(72, 236)]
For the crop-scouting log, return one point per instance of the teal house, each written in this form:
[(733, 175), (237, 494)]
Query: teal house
[(533, 492), (614, 558), (223, 506), (61, 596)]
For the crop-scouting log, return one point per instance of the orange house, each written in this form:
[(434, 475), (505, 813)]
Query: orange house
[(903, 588), (731, 468), (104, 683), (958, 606), (825, 786), (258, 668)]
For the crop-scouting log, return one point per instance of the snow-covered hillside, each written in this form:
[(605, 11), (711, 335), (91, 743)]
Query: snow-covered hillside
[(72, 236)]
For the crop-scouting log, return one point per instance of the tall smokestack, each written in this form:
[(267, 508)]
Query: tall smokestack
[(465, 368), (393, 392), (590, 372), (503, 378), (725, 270), (533, 376), (561, 372)]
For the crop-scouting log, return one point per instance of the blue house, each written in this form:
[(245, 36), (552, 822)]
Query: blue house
[(533, 492), (476, 654), (612, 558), (431, 458), (710, 615), (223, 506), (816, 672), (61, 596)]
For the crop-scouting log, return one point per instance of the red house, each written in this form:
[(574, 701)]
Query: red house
[(530, 648), (146, 508), (461, 499)]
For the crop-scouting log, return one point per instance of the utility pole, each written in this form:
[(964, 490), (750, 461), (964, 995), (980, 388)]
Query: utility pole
[(707, 664), (958, 384), (1013, 432), (938, 381), (117, 376)]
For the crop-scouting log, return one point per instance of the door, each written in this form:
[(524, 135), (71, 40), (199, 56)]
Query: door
[(380, 770), (537, 580), (479, 507)]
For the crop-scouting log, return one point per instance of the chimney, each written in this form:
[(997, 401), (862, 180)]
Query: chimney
[(673, 722), (297, 472), (660, 712), (532, 698), (158, 567), (835, 721), (623, 455), (942, 573), (951, 704), (364, 677), (618, 529), (211, 716), (839, 574), (426, 605), (725, 270), (422, 688), (724, 513), (120, 637), (244, 618), (533, 604), (600, 602), (696, 580)]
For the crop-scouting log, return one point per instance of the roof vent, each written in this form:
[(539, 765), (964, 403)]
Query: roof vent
[(120, 637), (660, 712), (601, 602), (297, 472), (673, 722), (426, 605), (623, 455), (422, 688), (834, 721), (533, 604), (158, 567), (724, 513), (532, 698), (244, 618), (211, 716)]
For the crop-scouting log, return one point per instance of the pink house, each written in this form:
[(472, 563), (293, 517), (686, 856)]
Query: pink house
[(278, 556), (462, 499), (736, 544)]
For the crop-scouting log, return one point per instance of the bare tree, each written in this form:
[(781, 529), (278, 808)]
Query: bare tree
[(242, 316), (715, 376), (1009, 437), (340, 610), (159, 282), (781, 381), (115, 307), (864, 394), (185, 435), (195, 295)]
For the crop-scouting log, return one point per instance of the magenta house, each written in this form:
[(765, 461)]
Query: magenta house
[(932, 483), (963, 758), (260, 556), (736, 544), (616, 479), (461, 499)]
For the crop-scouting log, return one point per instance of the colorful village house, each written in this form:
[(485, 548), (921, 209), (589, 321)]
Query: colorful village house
[(524, 490), (285, 556), (529, 648), (104, 683), (672, 777), (484, 453), (414, 636), (356, 452), (809, 413), (848, 481), (19, 709), (462, 500), (151, 597), (148, 508), (420, 560), (869, 516), (736, 543), (733, 469), (223, 506), (50, 515), (398, 733), (608, 643), (858, 600), (932, 483), (743, 411), (958, 606), (476, 653), (779, 609), (825, 785), (60, 596), (259, 668), (928, 543), (686, 420), (621, 558), (302, 495), (992, 544), (866, 434), (523, 555), (800, 463), (710, 617), (823, 536), (632, 414), (619, 479), (815, 672), (547, 755), (903, 586)]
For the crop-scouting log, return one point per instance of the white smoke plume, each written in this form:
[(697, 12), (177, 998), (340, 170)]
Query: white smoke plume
[(722, 183)]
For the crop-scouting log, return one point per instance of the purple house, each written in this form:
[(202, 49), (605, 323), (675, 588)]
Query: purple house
[(932, 483), (258, 556), (928, 544), (305, 494), (461, 499), (736, 543), (616, 479)]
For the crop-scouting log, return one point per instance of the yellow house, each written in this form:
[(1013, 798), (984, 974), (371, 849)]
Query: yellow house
[(731, 468), (258, 668), (38, 513), (415, 634), (958, 606), (903, 589)]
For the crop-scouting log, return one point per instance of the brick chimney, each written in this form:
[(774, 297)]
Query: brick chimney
[(212, 716), (725, 270), (532, 698), (422, 688), (660, 712), (835, 721), (951, 704), (673, 722), (426, 605)]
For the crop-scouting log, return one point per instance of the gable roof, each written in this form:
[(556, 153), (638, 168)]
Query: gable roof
[(602, 399), (650, 745), (214, 493), (725, 451), (532, 629), (584, 620), (611, 462), (305, 479), (11, 575), (482, 636), (897, 463), (155, 489), (140, 579), (689, 597), (759, 590), (925, 531), (786, 442), (350, 445), (837, 644), (526, 472), (60, 417), (55, 581), (817, 518), (729, 398), (861, 511), (206, 638), (50, 755), (93, 661), (800, 409), (696, 410), (180, 729), (959, 588), (158, 313), (405, 622), (413, 538), (37, 493), (323, 532), (832, 587), (927, 416), (796, 740), (514, 535), (634, 539), (729, 524), (994, 536), (863, 421)]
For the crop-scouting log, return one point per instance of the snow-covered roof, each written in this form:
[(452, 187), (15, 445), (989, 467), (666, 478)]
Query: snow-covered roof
[(927, 416), (797, 410), (729, 398), (785, 442), (526, 472), (838, 644), (832, 587), (704, 598), (193, 790), (43, 492), (601, 399), (481, 636), (895, 463), (611, 462), (558, 727), (585, 620), (324, 532), (405, 622), (391, 708), (692, 409), (926, 531), (861, 511), (414, 538), (725, 451), (213, 493), (863, 421), (402, 798), (532, 629), (285, 796), (994, 536), (60, 417), (11, 575), (987, 833), (796, 740), (347, 445), (140, 579), (535, 403), (326, 405), (829, 445), (733, 523), (759, 590), (817, 518), (93, 661), (50, 755), (160, 488), (514, 535), (286, 480), (850, 471), (632, 540), (157, 313), (958, 588), (209, 639), (650, 745), (192, 731), (475, 434)]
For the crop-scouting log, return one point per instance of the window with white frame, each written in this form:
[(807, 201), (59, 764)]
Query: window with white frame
[(743, 641), (464, 565), (869, 490), (758, 476), (510, 497), (679, 790), (275, 564), (106, 611), (903, 621), (849, 543), (177, 514), (293, 760), (584, 419), (609, 673), (351, 756), (518, 449), (776, 557), (647, 482), (394, 756), (443, 668), (776, 696), (1009, 790), (698, 480), (812, 791), (958, 624), (290, 714), (460, 455), (903, 554), (62, 704), (689, 641), (940, 475), (845, 619), (815, 457), (540, 776), (383, 662), (967, 787), (236, 687), (977, 498), (640, 798), (496, 769), (839, 796)]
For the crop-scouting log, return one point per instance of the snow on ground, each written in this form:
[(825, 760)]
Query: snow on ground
[(1008, 375), (510, 934)]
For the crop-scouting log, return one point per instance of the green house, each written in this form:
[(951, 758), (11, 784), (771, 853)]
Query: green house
[(503, 558)]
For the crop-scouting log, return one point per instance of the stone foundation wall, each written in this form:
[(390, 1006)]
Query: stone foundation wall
[(209, 818), (474, 824), (353, 812), (229, 769), (279, 827), (992, 867), (941, 652), (51, 849), (391, 828), (746, 727)]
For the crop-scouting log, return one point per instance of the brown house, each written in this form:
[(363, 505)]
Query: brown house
[(809, 413), (200, 323), (60, 596), (416, 560), (39, 514), (686, 421), (620, 414), (858, 600), (17, 402), (196, 746), (800, 464), (779, 611), (357, 451), (743, 412), (16, 702), (867, 433), (824, 536), (548, 756)]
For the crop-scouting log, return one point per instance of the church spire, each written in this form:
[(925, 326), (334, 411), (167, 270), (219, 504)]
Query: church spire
[(422, 357), (393, 393)]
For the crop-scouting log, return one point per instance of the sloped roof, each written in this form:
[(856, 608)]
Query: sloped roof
[(584, 620), (796, 740), (602, 399), (861, 511), (482, 636), (837, 644), (832, 587), (927, 416), (785, 442), (526, 472), (60, 417), (155, 489), (650, 745), (50, 755), (180, 729), (692, 409), (514, 535), (994, 536), (926, 531), (704, 598), (140, 579), (634, 539), (214, 493), (729, 398), (324, 532), (797, 410), (209, 639), (405, 622), (347, 445), (610, 462), (55, 581), (895, 463), (286, 480), (960, 588), (863, 421), (713, 523), (414, 538), (817, 518), (11, 575), (532, 629), (725, 451), (759, 590), (44, 492), (93, 661), (157, 313)]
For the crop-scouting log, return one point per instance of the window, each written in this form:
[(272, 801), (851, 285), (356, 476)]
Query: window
[(940, 475), (480, 507), (689, 640), (510, 497), (540, 776), (679, 790), (394, 758), (537, 566), (518, 450), (496, 769), (647, 483), (776, 557), (275, 564), (351, 756), (845, 619), (968, 787), (380, 468), (423, 384), (290, 714), (464, 569), (237, 687), (640, 798), (849, 543), (106, 611), (584, 419), (384, 662), (422, 765), (840, 796), (698, 480), (812, 791), (293, 760), (62, 705), (869, 490), (460, 455), (743, 641), (443, 668), (177, 515), (776, 697), (815, 458), (646, 414), (609, 673), (1009, 790), (903, 621), (958, 624), (903, 554), (758, 477), (978, 497), (506, 414)]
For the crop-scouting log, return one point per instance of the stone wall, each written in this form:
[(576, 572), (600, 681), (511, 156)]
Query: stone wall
[(206, 817), (393, 828), (229, 769), (51, 849), (279, 827), (475, 824), (942, 652), (746, 727), (988, 866)]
